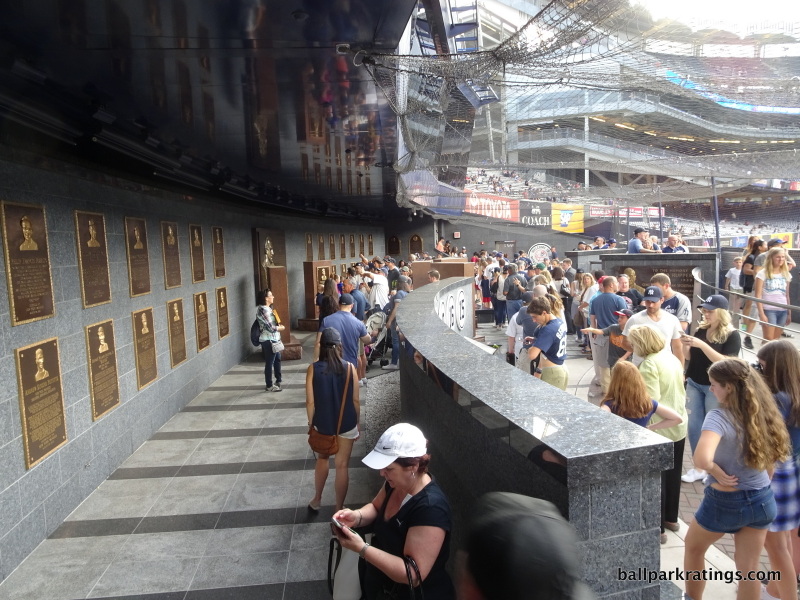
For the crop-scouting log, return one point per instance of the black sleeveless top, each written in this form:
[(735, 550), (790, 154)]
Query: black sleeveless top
[(429, 507)]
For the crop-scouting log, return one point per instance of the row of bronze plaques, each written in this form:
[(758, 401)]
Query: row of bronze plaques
[(30, 284), (332, 246), (41, 400)]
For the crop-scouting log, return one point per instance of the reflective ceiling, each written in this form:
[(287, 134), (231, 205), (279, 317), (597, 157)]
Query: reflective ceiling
[(246, 99)]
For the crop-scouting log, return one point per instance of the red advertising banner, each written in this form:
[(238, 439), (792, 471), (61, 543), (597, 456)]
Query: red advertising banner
[(494, 207)]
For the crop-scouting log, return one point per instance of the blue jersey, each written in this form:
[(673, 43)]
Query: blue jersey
[(552, 341)]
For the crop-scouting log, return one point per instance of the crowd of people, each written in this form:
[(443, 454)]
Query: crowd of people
[(653, 366)]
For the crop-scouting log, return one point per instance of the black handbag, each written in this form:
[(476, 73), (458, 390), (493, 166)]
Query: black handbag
[(255, 333)]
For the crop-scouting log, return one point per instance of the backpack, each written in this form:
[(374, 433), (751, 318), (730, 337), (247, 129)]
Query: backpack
[(255, 333), (500, 282)]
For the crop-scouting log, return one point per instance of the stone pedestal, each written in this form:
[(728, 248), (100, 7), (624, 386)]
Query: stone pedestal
[(279, 285)]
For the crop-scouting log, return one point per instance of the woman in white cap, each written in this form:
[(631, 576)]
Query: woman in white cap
[(410, 517), (329, 381)]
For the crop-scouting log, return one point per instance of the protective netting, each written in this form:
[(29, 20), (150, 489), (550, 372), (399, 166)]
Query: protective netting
[(597, 92)]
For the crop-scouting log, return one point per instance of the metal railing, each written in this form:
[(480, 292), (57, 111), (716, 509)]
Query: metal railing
[(745, 298)]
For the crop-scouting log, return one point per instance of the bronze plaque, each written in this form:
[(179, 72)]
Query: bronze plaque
[(177, 333), (342, 247), (321, 248), (332, 245), (101, 356), (415, 244), (322, 275), (171, 255), (201, 321), (222, 312), (343, 270), (371, 247), (138, 257), (309, 248), (90, 235), (393, 246), (360, 244), (41, 400), (218, 244), (352, 246), (144, 347), (30, 284), (198, 260)]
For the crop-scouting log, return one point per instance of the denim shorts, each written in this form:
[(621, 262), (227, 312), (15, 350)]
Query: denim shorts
[(776, 317), (728, 512)]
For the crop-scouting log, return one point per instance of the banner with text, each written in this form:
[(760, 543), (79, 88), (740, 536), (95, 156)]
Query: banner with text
[(535, 214), (489, 205)]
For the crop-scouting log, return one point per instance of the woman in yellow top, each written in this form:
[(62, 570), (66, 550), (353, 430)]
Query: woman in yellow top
[(663, 375)]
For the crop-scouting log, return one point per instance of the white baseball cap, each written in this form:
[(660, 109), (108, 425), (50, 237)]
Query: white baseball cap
[(399, 441)]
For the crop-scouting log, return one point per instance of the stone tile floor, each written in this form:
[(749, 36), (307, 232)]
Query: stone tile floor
[(213, 506)]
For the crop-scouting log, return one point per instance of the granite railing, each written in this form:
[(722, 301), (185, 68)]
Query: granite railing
[(483, 417)]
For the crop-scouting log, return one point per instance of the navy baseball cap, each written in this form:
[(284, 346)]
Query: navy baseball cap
[(346, 300), (653, 293)]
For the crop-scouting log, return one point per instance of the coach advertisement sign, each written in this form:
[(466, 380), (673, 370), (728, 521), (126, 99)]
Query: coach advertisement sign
[(535, 214), (494, 207)]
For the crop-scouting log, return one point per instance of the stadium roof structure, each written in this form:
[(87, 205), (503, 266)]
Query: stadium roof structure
[(594, 91)]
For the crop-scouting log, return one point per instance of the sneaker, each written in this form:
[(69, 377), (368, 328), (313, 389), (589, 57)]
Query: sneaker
[(672, 526), (362, 383), (787, 335), (693, 475), (663, 538), (748, 343), (390, 367), (276, 388)]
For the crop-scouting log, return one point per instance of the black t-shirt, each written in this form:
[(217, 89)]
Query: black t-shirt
[(746, 281), (429, 507), (635, 297), (699, 362)]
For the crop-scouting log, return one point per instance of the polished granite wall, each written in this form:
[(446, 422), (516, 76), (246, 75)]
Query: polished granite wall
[(34, 502), (482, 417)]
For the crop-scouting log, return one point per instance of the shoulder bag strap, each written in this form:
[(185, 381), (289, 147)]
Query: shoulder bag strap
[(344, 398)]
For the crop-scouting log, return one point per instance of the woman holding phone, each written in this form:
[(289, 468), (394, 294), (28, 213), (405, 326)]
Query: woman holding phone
[(410, 517)]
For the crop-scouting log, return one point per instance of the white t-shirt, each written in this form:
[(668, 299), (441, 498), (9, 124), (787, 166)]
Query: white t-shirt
[(379, 293), (668, 325), (514, 330), (774, 289), (733, 275)]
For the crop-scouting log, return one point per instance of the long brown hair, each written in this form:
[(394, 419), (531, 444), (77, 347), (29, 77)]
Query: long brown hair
[(627, 392), (781, 371), (765, 439)]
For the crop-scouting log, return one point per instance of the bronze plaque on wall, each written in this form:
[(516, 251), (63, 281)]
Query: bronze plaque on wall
[(218, 245), (198, 259), (352, 245), (177, 333), (171, 255), (41, 400), (138, 257), (415, 244), (30, 284), (201, 321), (343, 270), (323, 274), (342, 247), (332, 245), (144, 347), (393, 246), (321, 248), (680, 277), (101, 357), (90, 235), (360, 244), (309, 248), (371, 247), (222, 312)]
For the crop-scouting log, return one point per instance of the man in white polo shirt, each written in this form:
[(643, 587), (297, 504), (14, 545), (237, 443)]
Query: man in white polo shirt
[(653, 316)]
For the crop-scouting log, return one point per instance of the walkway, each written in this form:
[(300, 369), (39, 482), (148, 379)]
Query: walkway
[(213, 506)]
